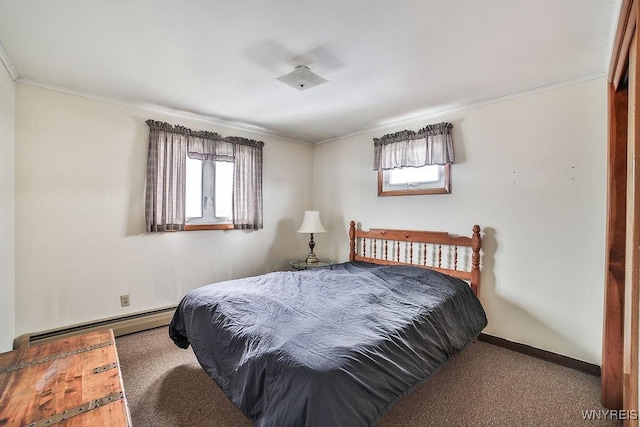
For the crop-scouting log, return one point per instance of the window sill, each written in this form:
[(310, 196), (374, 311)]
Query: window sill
[(195, 227)]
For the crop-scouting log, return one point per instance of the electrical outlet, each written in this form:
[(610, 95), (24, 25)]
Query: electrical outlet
[(124, 300)]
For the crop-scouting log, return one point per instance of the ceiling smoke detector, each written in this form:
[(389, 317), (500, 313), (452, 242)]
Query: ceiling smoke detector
[(302, 78)]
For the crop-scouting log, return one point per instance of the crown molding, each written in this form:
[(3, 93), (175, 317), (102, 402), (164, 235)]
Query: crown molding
[(162, 110), (461, 107), (4, 58)]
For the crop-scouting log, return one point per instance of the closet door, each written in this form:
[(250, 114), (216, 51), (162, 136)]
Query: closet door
[(621, 343), (613, 334), (632, 255)]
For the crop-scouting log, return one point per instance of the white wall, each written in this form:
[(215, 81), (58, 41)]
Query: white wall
[(7, 210), (531, 171), (80, 240)]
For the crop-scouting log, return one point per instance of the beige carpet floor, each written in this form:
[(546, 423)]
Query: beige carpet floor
[(484, 385)]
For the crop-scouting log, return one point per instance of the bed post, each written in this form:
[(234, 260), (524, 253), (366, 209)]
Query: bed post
[(475, 259), (352, 241)]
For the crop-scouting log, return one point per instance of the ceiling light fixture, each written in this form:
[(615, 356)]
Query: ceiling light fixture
[(302, 78)]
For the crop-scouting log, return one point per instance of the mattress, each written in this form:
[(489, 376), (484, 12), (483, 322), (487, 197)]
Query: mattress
[(332, 346)]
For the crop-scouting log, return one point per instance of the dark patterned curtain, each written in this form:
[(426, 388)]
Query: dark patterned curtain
[(166, 168), (247, 184)]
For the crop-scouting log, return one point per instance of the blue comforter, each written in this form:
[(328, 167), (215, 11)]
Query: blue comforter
[(333, 346)]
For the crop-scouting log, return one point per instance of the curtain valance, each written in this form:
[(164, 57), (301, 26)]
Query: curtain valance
[(156, 125), (210, 149), (431, 145), (244, 141), (205, 145)]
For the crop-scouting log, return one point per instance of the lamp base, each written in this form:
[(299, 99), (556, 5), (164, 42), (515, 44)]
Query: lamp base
[(312, 258)]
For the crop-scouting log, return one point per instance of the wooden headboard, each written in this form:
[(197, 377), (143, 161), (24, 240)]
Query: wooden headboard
[(420, 249)]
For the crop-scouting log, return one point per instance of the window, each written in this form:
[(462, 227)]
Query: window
[(198, 180), (208, 192), (429, 179), (412, 163)]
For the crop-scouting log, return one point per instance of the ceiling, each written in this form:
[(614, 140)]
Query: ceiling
[(386, 61)]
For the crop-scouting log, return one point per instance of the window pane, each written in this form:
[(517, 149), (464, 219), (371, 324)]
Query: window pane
[(431, 179), (429, 173), (193, 190), (207, 189), (224, 190)]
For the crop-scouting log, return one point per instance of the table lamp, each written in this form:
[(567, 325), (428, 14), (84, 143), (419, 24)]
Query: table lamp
[(311, 224)]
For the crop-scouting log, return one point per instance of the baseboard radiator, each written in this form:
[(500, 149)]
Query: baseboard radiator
[(121, 325)]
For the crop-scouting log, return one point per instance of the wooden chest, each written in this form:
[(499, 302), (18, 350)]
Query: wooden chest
[(74, 381)]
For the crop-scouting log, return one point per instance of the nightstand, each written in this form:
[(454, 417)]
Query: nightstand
[(301, 263)]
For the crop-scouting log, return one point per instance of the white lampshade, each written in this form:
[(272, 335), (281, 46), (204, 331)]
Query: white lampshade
[(311, 223)]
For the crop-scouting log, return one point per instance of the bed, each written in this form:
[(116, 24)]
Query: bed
[(338, 345)]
